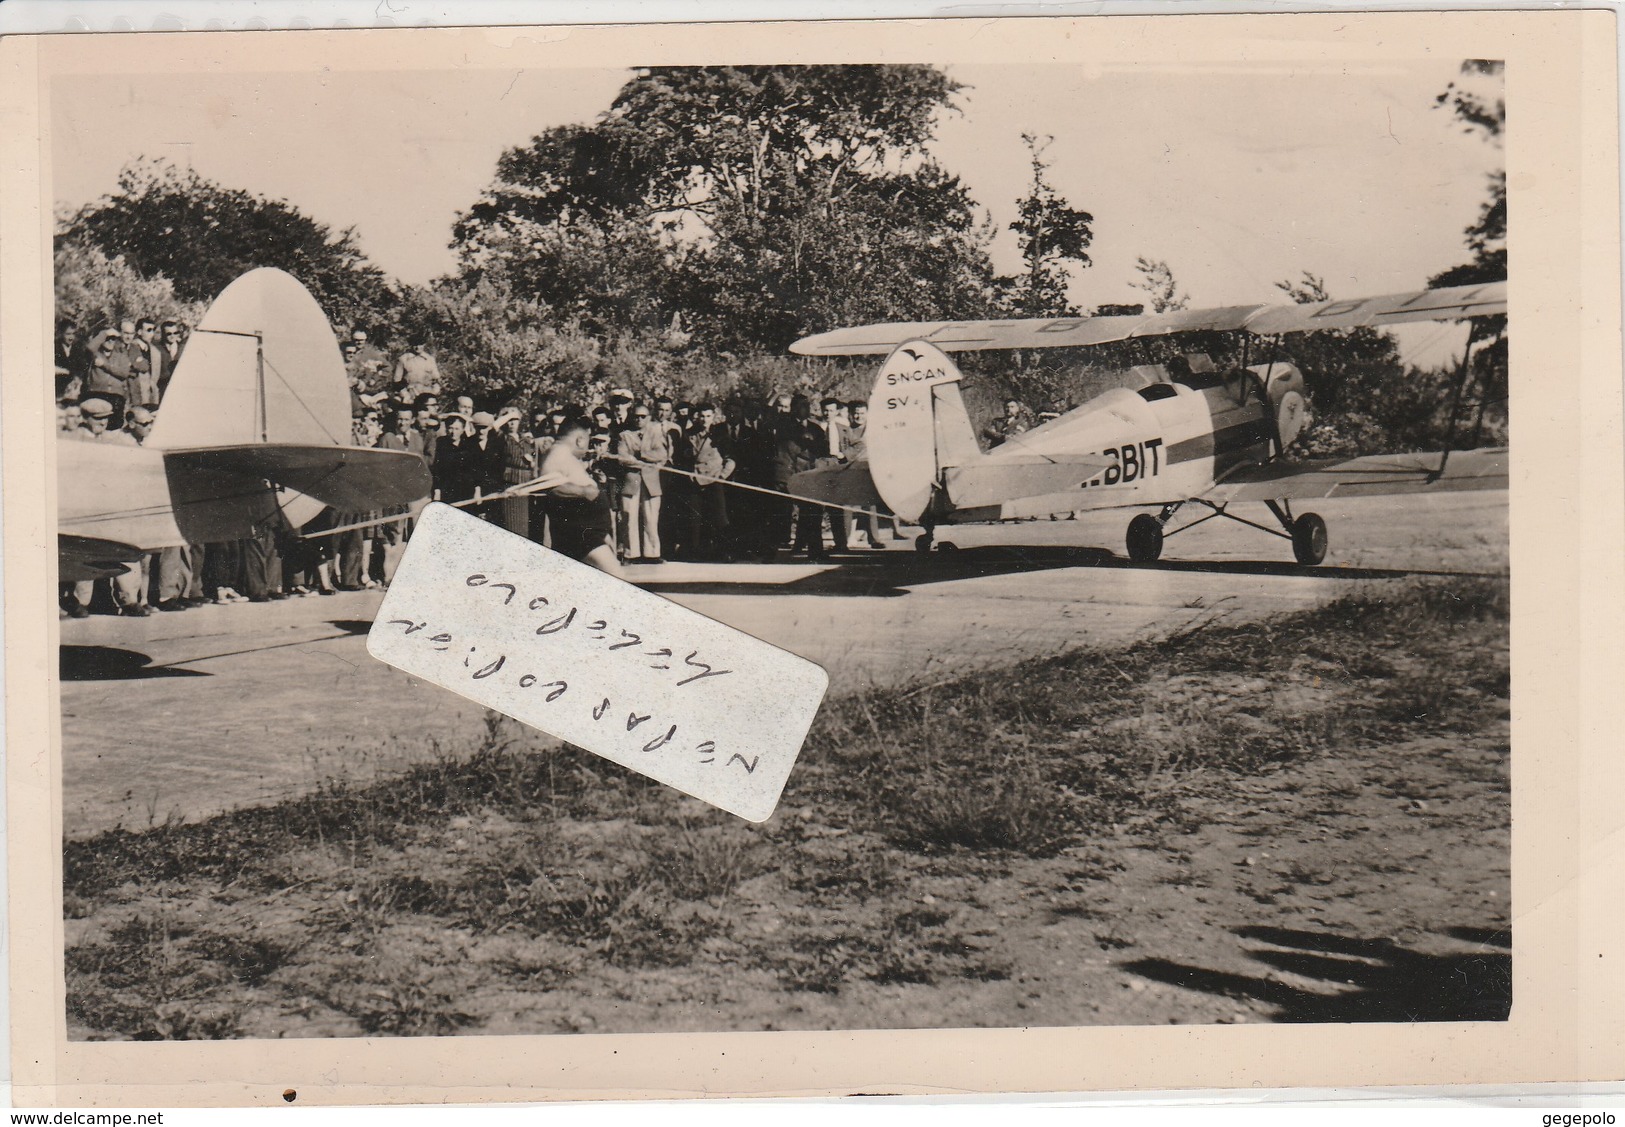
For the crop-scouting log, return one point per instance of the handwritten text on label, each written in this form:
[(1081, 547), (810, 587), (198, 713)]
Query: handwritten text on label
[(598, 662)]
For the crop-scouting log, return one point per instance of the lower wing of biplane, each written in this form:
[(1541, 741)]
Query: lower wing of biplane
[(1201, 438), (253, 432)]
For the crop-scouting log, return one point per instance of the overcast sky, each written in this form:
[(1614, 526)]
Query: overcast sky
[(1237, 177)]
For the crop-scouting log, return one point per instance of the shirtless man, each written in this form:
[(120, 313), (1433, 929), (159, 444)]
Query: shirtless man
[(582, 523)]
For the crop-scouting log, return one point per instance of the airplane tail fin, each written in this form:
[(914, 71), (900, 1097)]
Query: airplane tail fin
[(918, 426), (260, 395), (262, 366)]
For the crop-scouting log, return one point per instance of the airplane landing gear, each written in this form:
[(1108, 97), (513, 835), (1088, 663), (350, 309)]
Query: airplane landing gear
[(1307, 532), (1144, 538), (1309, 539), (922, 542)]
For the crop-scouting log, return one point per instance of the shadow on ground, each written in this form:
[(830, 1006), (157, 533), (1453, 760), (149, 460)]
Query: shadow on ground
[(1374, 979), (890, 574), (106, 663)]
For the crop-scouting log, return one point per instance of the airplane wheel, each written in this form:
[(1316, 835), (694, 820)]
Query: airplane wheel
[(1309, 539), (922, 542), (1144, 538), (947, 546)]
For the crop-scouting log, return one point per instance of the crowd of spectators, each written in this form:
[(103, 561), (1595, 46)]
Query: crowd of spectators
[(649, 473), (627, 480), (108, 389)]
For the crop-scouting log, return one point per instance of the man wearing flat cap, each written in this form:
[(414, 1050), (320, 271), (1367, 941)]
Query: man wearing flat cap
[(96, 424)]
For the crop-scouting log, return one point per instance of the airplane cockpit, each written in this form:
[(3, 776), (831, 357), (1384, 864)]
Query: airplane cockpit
[(1194, 372)]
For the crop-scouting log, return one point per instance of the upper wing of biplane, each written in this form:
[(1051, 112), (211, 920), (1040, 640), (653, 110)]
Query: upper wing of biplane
[(1072, 332)]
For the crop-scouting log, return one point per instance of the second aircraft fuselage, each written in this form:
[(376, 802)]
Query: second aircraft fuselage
[(1164, 442)]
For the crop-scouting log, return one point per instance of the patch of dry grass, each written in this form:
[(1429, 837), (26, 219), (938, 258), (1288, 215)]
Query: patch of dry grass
[(385, 908)]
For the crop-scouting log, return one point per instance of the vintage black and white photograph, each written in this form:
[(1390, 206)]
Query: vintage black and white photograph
[(1128, 441)]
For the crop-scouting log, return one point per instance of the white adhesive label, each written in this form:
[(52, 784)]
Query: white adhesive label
[(611, 668)]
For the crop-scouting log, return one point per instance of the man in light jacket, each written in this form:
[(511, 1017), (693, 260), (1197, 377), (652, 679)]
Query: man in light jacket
[(644, 441)]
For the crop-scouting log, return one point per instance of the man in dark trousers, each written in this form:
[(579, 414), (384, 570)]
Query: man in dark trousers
[(707, 444), (834, 453), (677, 492), (456, 467), (583, 527), (800, 443)]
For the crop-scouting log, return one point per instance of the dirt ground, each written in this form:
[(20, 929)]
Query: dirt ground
[(1302, 819)]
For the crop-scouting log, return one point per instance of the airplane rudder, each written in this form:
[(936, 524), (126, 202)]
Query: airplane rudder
[(954, 435), (903, 455)]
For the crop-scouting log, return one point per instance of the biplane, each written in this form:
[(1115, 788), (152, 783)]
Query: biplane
[(1190, 435), (254, 429)]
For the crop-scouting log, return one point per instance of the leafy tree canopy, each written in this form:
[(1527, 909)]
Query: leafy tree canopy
[(490, 341), (1053, 236), (752, 204), (1477, 101), (94, 291), (1477, 98), (1157, 280), (764, 139), (163, 221)]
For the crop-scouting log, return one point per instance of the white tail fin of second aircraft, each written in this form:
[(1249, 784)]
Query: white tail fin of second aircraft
[(917, 426)]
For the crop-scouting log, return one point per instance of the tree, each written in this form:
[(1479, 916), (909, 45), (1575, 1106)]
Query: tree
[(1307, 290), (1477, 101), (493, 342), (764, 139), (564, 224), (1157, 280), (606, 275), (756, 203), (899, 248), (94, 291), (165, 222), (1053, 236)]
